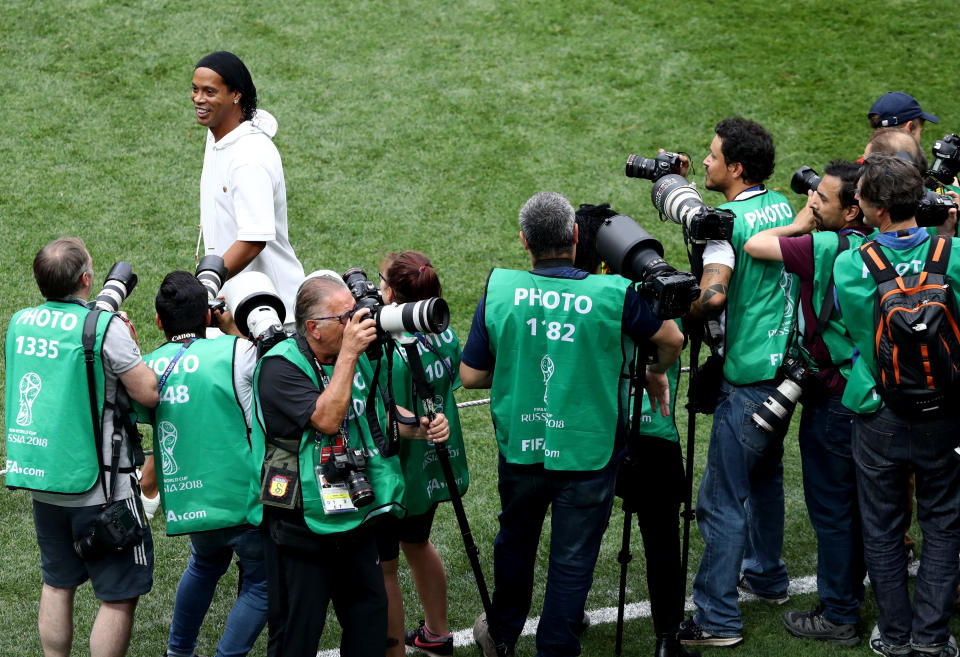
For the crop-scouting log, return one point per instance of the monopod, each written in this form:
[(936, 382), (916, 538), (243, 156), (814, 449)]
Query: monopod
[(425, 392)]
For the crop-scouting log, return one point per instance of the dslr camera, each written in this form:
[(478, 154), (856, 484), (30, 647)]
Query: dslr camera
[(933, 209), (633, 253), (117, 287), (114, 529), (946, 159), (653, 169), (348, 465), (425, 316), (774, 415), (804, 180)]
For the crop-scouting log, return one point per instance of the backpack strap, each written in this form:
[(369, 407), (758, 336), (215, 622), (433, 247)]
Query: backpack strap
[(826, 307), (88, 339), (877, 263), (938, 255)]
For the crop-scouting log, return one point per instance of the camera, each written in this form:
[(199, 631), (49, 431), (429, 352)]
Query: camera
[(933, 208), (114, 529), (679, 201), (804, 180), (257, 309), (653, 169), (774, 415), (212, 271), (117, 287), (349, 466), (946, 159), (633, 253), (425, 316)]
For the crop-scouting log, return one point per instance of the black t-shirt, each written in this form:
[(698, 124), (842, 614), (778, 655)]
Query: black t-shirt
[(287, 398)]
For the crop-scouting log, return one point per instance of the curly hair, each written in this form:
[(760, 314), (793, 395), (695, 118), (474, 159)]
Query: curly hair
[(748, 143)]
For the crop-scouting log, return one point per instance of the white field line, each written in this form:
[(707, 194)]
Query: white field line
[(631, 611)]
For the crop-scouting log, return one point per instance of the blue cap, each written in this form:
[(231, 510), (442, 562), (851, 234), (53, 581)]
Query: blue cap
[(896, 108)]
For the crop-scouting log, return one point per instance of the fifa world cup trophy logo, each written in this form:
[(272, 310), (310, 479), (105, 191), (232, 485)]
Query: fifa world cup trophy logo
[(29, 389), (167, 436), (547, 367)]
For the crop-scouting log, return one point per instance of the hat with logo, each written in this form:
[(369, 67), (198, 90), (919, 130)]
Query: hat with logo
[(896, 108)]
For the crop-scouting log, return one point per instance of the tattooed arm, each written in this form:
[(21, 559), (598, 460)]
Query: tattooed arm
[(713, 295)]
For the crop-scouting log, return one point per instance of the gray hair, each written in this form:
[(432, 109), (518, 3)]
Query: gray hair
[(313, 298), (547, 221), (59, 266)]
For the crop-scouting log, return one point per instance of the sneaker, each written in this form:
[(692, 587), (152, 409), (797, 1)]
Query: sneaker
[(434, 644), (813, 625), (691, 634), (777, 598), (878, 646), (481, 634), (948, 649)]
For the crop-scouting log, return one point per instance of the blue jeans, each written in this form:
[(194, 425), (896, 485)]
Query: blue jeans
[(210, 556), (739, 511), (581, 509), (884, 446), (830, 490)]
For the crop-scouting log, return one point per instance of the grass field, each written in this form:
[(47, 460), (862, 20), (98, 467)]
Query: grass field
[(422, 124)]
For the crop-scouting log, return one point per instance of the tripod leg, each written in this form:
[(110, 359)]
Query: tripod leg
[(624, 557)]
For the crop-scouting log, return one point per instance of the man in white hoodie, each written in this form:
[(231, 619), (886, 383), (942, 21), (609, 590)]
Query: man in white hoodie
[(243, 197)]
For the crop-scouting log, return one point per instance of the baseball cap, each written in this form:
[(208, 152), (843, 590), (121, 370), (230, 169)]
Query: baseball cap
[(896, 108)]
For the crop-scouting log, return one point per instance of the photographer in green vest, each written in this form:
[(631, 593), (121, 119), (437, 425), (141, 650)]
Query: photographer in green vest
[(552, 344), (322, 478), (202, 446), (740, 507), (58, 451), (898, 425), (826, 351)]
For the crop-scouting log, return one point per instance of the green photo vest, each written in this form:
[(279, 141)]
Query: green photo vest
[(200, 437), (762, 299), (856, 290), (559, 353), (654, 424), (835, 334), (384, 474), (51, 446), (424, 482)]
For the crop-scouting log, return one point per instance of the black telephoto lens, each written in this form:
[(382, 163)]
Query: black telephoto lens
[(804, 180)]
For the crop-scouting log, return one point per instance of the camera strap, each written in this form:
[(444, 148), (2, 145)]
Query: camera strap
[(173, 362), (88, 338), (826, 306), (387, 446)]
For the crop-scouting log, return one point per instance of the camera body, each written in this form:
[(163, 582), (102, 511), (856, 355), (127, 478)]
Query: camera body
[(946, 159), (114, 529), (933, 209), (117, 286), (804, 180), (348, 465), (653, 169)]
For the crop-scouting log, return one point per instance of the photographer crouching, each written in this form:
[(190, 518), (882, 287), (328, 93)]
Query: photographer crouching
[(324, 476), (822, 358), (68, 444)]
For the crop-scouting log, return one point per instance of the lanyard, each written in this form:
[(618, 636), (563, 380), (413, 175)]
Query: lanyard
[(173, 362)]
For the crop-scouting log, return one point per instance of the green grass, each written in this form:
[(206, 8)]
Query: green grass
[(421, 125)]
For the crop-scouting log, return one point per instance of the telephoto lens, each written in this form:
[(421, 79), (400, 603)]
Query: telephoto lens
[(425, 316), (652, 169), (212, 272), (117, 287), (804, 180), (774, 415), (676, 199)]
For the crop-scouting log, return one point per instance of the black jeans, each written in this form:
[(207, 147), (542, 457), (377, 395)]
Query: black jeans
[(305, 572)]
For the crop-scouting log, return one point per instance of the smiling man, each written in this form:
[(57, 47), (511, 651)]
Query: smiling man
[(243, 196)]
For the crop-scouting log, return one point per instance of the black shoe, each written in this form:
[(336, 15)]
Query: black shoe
[(812, 625), (692, 634), (777, 599), (669, 646)]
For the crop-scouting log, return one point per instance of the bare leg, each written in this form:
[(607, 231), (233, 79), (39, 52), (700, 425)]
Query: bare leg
[(55, 620), (395, 634), (431, 581), (110, 636)]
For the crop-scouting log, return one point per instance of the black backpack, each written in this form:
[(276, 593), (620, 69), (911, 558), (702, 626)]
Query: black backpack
[(917, 335)]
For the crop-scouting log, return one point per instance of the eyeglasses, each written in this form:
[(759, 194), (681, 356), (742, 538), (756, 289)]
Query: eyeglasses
[(342, 318), (383, 278)]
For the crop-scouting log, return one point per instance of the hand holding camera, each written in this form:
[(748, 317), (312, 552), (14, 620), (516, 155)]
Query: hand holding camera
[(359, 333)]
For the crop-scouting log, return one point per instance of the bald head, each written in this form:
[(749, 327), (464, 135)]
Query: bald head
[(59, 267)]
